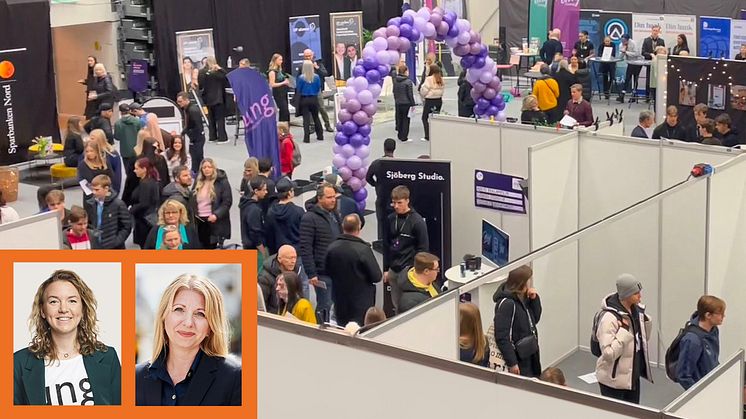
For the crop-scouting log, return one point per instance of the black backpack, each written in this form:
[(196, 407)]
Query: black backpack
[(595, 346), (672, 354)]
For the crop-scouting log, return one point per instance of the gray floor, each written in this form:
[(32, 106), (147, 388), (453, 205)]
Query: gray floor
[(656, 395)]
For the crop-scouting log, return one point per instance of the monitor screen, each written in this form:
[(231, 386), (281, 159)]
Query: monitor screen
[(495, 244)]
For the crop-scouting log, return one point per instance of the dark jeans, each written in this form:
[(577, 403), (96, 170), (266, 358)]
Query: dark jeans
[(309, 107), (632, 74), (196, 150), (324, 296), (430, 106), (216, 122), (608, 72), (204, 232), (631, 396), (402, 121)]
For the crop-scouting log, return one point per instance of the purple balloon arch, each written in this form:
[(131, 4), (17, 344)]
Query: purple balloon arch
[(351, 151)]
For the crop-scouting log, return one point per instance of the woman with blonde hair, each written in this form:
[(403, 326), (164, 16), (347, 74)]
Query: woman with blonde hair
[(101, 90), (92, 165), (530, 113), (113, 160), (250, 171), (73, 148), (308, 85), (432, 93), (472, 342), (214, 200), (65, 349), (190, 364), (173, 213), (279, 82)]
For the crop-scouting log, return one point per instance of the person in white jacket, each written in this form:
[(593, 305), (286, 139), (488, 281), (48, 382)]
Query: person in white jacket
[(432, 94), (623, 333)]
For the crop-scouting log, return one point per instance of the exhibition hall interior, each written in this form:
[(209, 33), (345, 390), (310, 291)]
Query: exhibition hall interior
[(519, 207)]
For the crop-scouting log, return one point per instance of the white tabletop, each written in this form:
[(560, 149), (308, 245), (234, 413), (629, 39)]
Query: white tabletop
[(453, 273)]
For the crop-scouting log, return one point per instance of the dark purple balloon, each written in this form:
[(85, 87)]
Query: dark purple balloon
[(492, 110), (449, 18), (479, 62), (359, 71), (361, 205), (395, 21), (339, 127), (467, 61), (349, 128), (501, 106), (373, 76), (415, 35), (341, 139), (356, 140), (406, 20), (364, 130), (453, 31), (484, 51), (366, 140), (482, 103), (383, 70), (496, 100), (369, 63), (405, 30), (478, 111), (361, 195)]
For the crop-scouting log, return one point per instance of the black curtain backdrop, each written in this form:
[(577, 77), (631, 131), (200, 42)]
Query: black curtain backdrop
[(25, 24), (376, 13), (259, 26)]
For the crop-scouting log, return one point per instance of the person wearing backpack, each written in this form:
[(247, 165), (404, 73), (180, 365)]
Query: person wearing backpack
[(623, 330), (699, 346), (290, 156)]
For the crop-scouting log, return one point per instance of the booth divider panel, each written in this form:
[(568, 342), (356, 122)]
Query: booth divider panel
[(677, 162), (40, 231)]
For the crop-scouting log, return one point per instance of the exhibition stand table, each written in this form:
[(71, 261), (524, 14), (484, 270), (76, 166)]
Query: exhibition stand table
[(635, 94), (455, 279), (526, 60), (596, 62)]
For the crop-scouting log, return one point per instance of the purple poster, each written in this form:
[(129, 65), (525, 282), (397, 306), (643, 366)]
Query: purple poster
[(567, 19), (137, 80), (498, 192), (254, 100)]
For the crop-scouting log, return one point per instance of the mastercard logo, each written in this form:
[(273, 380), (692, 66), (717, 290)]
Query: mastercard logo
[(7, 69)]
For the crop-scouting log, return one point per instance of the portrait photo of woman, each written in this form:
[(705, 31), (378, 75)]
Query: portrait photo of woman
[(192, 361), (65, 362)]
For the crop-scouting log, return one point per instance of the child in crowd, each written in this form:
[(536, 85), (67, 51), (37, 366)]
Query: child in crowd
[(107, 215), (55, 200), (78, 236), (374, 315), (171, 238), (553, 375), (287, 146)]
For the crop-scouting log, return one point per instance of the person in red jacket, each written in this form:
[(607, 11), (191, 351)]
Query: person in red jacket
[(287, 145)]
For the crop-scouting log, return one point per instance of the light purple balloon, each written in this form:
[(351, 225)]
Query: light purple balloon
[(489, 93), (501, 116), (424, 13), (473, 76), (347, 151), (380, 43), (370, 109), (419, 23), (375, 90), (477, 86), (429, 30), (350, 93), (486, 77), (463, 25), (361, 118), (495, 83), (452, 42), (361, 172), (383, 56), (369, 52), (362, 151), (344, 115), (365, 97), (410, 12), (345, 173), (360, 84), (436, 19), (475, 48), (461, 50), (355, 183), (379, 33), (474, 94), (442, 28), (392, 30), (393, 57), (354, 163), (404, 44), (439, 10), (393, 42), (339, 160), (463, 38), (352, 106)]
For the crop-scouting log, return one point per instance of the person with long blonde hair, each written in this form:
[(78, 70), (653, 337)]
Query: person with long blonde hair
[(173, 213), (111, 155), (65, 353), (92, 165), (214, 200), (472, 342), (190, 364), (308, 86), (279, 82)]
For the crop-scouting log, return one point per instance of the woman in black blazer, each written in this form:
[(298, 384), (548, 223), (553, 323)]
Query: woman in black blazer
[(201, 371), (65, 305), (74, 145), (145, 199)]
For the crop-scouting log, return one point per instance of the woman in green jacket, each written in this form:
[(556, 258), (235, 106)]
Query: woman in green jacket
[(65, 364)]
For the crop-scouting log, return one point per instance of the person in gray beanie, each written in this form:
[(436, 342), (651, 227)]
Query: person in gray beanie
[(623, 333)]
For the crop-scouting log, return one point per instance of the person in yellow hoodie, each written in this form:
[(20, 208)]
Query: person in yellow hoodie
[(417, 287), (291, 298), (547, 93)]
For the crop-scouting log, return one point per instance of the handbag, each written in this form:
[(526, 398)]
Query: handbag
[(496, 358), (529, 345)]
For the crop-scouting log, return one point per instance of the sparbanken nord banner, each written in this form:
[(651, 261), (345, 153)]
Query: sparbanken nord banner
[(566, 18), (254, 100)]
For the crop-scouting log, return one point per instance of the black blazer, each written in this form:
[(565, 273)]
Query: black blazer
[(217, 382)]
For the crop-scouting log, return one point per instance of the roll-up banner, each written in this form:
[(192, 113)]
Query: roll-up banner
[(737, 36), (566, 18), (347, 42), (590, 21), (671, 27), (714, 34), (16, 116), (192, 49), (305, 33), (537, 20)]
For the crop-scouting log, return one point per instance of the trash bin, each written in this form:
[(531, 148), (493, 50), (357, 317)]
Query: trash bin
[(9, 183)]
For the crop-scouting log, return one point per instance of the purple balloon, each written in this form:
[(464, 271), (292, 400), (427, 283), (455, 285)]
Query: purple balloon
[(489, 93), (352, 106), (429, 30), (501, 106), (492, 110), (396, 21), (344, 115), (360, 84), (369, 52), (369, 63), (364, 130), (404, 44), (496, 100), (372, 76), (394, 57), (338, 161), (382, 57), (392, 30), (354, 183), (361, 118), (349, 128), (479, 62), (424, 13), (370, 109), (366, 140), (356, 140), (449, 18), (354, 163), (363, 151), (350, 92), (474, 94), (473, 76), (375, 90), (482, 103), (463, 38), (406, 20), (360, 206), (486, 77), (405, 30), (345, 173), (383, 69), (453, 31), (379, 33), (415, 36), (393, 42), (442, 29), (339, 127), (478, 86), (358, 71), (341, 139), (360, 173), (436, 19), (467, 61), (461, 50), (361, 195), (419, 23), (501, 116), (365, 97), (336, 148), (347, 151), (463, 25)]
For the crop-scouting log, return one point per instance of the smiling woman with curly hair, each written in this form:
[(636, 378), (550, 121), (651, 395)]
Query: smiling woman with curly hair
[(65, 363)]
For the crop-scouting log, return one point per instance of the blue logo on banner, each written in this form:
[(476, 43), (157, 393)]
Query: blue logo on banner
[(615, 28)]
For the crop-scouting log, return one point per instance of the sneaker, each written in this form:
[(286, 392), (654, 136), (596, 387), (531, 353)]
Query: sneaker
[(222, 141), (424, 139), (329, 129), (407, 140)]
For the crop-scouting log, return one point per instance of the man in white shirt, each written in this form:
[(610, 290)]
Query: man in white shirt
[(630, 52)]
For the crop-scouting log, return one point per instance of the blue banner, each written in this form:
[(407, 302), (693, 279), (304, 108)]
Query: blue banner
[(305, 33), (590, 21), (714, 37), (498, 192), (254, 100)]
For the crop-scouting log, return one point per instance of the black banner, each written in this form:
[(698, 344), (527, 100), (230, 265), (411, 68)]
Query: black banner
[(28, 102), (429, 183)]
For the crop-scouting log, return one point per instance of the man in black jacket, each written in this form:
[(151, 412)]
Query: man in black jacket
[(286, 260), (551, 47), (181, 190), (318, 228), (320, 70), (375, 174), (670, 128), (282, 224), (406, 236), (107, 215), (354, 271), (403, 90), (102, 122), (725, 132), (213, 83), (649, 45), (252, 217), (193, 128)]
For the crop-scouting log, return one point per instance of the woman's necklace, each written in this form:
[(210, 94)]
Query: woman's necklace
[(66, 355)]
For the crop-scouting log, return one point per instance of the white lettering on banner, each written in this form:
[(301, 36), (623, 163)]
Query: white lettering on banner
[(9, 119), (499, 205), (493, 191), (489, 197), (414, 176)]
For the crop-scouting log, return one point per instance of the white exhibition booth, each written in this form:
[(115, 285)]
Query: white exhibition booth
[(40, 231)]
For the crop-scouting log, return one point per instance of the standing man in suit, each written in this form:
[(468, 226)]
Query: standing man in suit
[(213, 83), (193, 129), (649, 45), (320, 69)]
